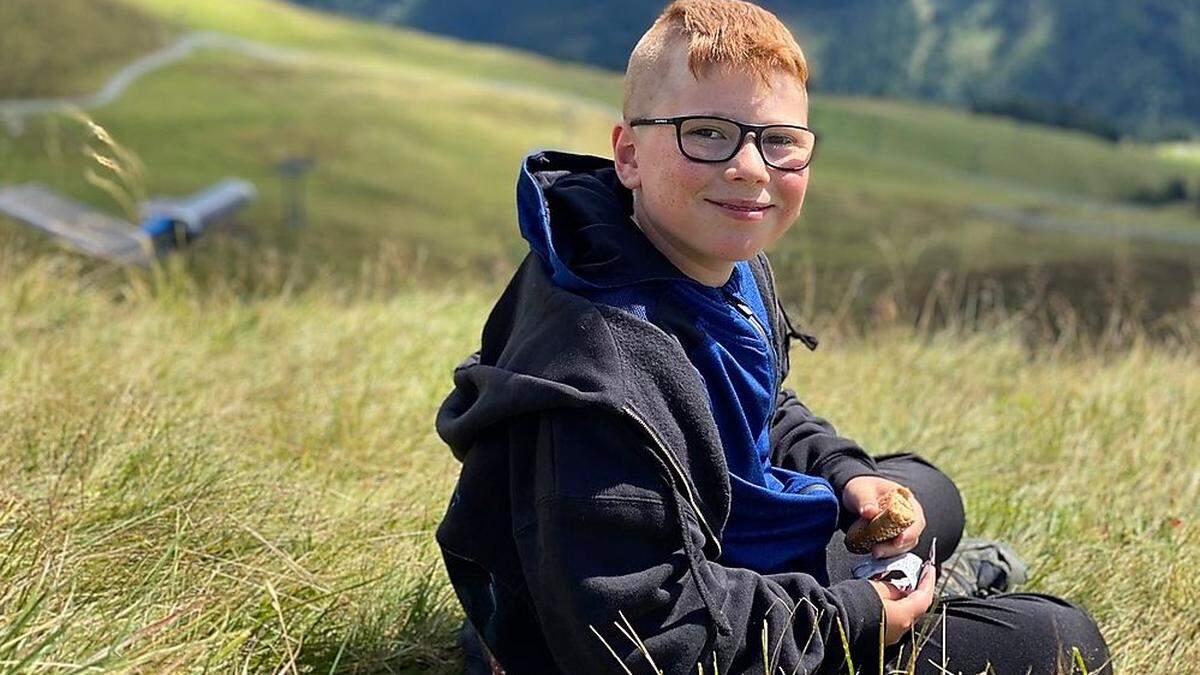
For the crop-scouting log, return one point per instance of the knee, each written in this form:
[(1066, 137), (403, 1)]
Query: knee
[(1079, 632), (939, 496), (920, 471), (1071, 629)]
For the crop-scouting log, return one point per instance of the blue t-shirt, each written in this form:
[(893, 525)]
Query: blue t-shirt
[(779, 520)]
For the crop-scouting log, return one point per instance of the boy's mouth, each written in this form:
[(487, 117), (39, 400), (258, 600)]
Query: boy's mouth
[(740, 207)]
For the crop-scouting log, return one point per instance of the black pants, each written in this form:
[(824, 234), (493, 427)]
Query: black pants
[(1015, 633)]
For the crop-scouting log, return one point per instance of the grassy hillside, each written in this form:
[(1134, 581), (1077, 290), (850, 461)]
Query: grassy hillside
[(65, 47), (417, 142), (390, 134), (1118, 68), (197, 479), (228, 463)]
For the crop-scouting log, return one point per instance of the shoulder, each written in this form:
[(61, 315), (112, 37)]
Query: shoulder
[(578, 349), (599, 455), (764, 277)]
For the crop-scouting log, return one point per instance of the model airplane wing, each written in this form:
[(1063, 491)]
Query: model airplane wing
[(76, 225)]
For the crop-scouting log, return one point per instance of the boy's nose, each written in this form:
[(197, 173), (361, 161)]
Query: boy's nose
[(748, 164)]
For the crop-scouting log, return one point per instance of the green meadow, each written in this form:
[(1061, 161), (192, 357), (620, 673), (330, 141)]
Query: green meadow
[(417, 142), (200, 479), (227, 463), (102, 35)]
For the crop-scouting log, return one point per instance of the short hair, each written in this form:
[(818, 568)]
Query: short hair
[(715, 33)]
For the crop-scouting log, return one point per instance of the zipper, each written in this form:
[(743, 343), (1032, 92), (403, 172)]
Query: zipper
[(672, 463), (808, 340), (748, 314)]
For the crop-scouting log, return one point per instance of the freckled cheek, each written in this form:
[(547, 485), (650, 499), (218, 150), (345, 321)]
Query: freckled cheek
[(681, 189), (792, 189)]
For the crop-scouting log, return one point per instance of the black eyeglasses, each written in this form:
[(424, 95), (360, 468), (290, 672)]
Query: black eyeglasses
[(703, 138)]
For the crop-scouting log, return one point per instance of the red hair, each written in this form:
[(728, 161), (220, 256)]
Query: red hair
[(728, 33)]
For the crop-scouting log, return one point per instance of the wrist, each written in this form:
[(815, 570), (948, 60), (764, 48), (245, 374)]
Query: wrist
[(849, 469), (861, 609)]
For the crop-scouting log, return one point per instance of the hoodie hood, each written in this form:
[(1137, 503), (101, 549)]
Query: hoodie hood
[(546, 346), (576, 216)]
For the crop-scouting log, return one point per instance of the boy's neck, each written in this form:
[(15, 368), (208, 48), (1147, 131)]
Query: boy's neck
[(705, 275)]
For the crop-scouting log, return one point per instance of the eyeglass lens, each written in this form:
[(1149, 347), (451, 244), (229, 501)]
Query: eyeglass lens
[(716, 140)]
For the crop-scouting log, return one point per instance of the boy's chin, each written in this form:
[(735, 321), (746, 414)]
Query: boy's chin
[(740, 255), (742, 250)]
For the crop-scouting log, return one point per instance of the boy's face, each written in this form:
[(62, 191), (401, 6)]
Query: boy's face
[(696, 213)]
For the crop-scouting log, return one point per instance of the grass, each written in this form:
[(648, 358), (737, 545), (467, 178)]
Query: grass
[(215, 478), (102, 36), (391, 151), (228, 463), (273, 520), (1182, 152)]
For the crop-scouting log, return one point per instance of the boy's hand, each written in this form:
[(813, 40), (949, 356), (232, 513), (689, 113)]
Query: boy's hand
[(901, 610), (861, 496)]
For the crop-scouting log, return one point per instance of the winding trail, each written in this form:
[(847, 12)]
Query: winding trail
[(14, 111)]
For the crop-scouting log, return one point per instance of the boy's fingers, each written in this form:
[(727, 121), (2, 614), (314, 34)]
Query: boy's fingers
[(927, 581), (901, 543), (921, 597), (887, 591), (928, 577)]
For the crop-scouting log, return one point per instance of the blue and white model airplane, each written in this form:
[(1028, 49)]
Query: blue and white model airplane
[(165, 224)]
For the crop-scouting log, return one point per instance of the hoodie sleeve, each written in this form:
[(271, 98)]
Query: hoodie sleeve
[(612, 555), (803, 442)]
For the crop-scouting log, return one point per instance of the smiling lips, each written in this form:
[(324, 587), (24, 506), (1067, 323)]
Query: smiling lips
[(741, 209)]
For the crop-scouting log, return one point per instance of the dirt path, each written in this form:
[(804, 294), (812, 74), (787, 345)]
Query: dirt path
[(14, 111)]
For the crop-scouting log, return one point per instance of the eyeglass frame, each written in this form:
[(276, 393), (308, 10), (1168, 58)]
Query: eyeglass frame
[(756, 129)]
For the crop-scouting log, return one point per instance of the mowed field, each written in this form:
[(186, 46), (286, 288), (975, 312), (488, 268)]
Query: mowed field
[(228, 464)]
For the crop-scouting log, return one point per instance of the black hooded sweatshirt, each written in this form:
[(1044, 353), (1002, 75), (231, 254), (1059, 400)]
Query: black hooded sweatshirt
[(594, 488)]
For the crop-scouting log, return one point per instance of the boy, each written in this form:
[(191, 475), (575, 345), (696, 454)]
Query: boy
[(631, 462)]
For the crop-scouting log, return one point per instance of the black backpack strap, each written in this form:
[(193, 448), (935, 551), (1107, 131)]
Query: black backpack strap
[(782, 329)]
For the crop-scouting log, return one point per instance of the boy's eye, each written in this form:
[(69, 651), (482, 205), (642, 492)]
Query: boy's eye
[(708, 133), (780, 139)]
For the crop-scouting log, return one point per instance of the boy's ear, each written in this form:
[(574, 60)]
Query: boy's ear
[(625, 156)]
